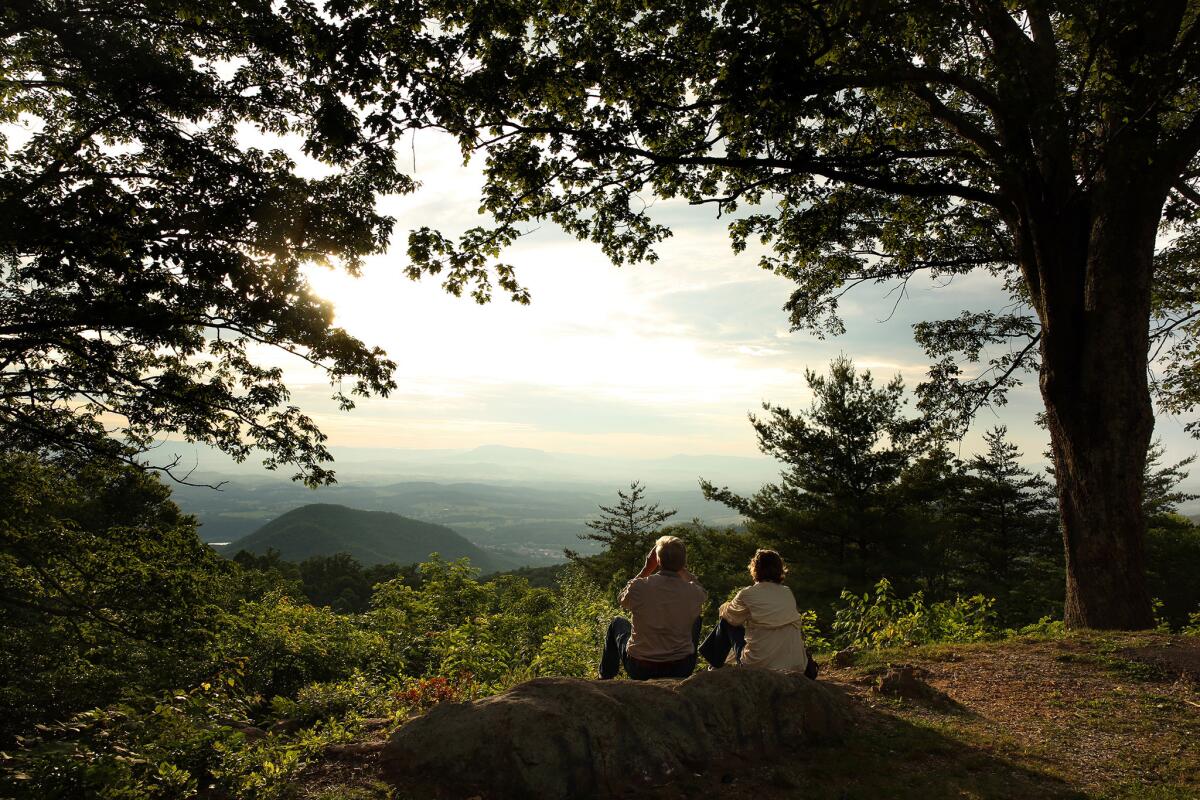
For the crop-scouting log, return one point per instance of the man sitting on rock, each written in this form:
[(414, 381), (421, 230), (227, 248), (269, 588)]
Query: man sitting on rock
[(664, 602)]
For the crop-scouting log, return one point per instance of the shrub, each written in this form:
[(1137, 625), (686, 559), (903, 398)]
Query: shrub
[(163, 748), (885, 620), (452, 624), (264, 769), (814, 641), (1044, 628), (185, 744), (572, 647), (288, 645), (360, 694)]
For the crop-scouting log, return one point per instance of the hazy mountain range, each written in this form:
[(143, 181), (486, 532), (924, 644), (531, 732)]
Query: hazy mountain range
[(499, 464), (519, 506), (522, 506)]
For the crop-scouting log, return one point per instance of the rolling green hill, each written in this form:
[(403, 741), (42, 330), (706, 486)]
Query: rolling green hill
[(371, 537)]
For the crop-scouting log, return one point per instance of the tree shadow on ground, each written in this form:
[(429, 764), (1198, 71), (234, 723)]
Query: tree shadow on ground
[(884, 756)]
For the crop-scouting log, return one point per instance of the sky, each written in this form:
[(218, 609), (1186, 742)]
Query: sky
[(641, 361)]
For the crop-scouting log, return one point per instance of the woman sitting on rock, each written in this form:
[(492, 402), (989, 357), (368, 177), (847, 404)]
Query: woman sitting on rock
[(761, 625)]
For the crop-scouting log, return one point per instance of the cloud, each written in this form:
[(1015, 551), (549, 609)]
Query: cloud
[(645, 360)]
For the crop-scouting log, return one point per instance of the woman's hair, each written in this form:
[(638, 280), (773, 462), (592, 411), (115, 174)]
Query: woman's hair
[(767, 565), (672, 555)]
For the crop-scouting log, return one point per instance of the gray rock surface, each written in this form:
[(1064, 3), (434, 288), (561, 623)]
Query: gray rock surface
[(560, 738)]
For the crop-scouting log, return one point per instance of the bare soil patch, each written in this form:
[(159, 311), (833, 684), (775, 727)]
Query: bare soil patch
[(1179, 656)]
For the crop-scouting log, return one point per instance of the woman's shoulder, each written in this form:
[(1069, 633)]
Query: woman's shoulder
[(780, 593), (765, 589)]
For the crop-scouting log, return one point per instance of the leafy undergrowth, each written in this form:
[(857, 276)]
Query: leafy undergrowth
[(1089, 715)]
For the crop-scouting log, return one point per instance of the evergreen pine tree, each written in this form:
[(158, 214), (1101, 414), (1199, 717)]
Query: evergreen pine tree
[(1011, 541), (834, 503), (1172, 540), (625, 532), (1162, 495), (929, 525)]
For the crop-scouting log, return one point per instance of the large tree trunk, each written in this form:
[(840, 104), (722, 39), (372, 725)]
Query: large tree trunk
[(1095, 324), (1099, 452)]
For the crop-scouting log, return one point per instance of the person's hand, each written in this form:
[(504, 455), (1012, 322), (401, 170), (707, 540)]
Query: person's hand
[(651, 564)]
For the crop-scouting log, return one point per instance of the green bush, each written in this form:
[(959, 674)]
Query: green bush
[(158, 748), (885, 620), (814, 640), (264, 769), (287, 645), (184, 744), (1044, 628), (572, 646), (452, 624), (358, 695)]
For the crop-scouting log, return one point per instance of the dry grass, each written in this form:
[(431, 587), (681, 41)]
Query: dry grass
[(1090, 715)]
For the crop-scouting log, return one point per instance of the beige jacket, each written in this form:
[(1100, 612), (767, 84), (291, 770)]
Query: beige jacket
[(774, 631)]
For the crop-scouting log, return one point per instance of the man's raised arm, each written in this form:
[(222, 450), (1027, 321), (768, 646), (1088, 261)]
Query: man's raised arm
[(626, 599)]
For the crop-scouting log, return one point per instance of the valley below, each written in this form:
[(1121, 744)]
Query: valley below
[(518, 522)]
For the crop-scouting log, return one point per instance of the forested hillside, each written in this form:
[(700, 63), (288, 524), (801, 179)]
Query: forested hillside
[(370, 537)]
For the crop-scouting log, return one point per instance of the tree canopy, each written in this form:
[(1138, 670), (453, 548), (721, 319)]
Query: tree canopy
[(154, 229), (1043, 142), (863, 142)]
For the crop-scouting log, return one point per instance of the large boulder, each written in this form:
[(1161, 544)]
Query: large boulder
[(566, 738)]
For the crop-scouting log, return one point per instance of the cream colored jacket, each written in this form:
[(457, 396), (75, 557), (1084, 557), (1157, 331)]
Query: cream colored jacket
[(774, 632)]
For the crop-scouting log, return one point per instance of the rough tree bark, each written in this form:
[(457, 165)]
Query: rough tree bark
[(1094, 304)]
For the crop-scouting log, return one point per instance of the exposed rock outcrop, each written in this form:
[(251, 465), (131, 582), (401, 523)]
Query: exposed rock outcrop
[(565, 738), (908, 682), (846, 657)]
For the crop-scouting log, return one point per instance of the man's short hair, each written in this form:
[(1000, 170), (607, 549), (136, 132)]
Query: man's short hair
[(672, 555)]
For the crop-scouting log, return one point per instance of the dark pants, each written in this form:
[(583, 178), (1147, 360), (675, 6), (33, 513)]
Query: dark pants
[(723, 638), (616, 641)]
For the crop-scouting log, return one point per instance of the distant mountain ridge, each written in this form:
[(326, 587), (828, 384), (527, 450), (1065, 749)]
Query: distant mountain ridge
[(517, 524), (371, 537), (494, 463)]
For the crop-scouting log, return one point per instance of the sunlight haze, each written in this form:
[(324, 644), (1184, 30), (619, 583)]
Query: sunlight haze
[(642, 361)]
